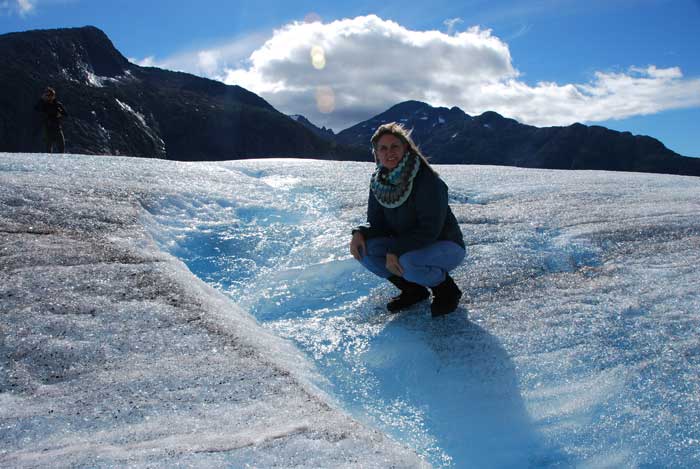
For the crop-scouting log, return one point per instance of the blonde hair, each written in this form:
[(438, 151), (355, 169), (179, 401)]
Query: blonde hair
[(403, 134)]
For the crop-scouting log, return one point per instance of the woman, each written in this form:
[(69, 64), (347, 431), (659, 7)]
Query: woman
[(411, 236)]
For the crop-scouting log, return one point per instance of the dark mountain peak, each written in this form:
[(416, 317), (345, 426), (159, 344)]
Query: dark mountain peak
[(71, 52), (455, 111), (493, 120), (408, 106), (490, 116), (323, 132), (419, 117), (419, 109), (104, 58), (453, 137), (303, 120)]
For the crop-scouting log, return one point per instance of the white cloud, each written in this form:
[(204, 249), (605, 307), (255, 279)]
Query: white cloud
[(25, 6), (211, 62), (149, 61), (451, 24), (208, 61), (20, 7), (370, 64), (607, 96)]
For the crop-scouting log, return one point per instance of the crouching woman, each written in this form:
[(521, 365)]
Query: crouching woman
[(411, 237)]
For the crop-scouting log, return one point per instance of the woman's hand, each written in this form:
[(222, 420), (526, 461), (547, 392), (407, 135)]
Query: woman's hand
[(358, 248), (393, 266)]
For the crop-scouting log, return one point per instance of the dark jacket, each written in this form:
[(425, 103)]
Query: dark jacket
[(53, 113), (425, 217)]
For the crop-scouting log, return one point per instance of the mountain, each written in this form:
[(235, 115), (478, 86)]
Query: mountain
[(117, 107), (323, 132), (451, 136)]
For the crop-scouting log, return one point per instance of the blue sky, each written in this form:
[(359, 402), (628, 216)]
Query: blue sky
[(627, 64)]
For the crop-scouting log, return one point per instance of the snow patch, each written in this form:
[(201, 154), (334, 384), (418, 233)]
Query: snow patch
[(143, 124), (131, 111)]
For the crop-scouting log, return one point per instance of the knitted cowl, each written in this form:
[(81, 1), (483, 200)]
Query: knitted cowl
[(391, 188)]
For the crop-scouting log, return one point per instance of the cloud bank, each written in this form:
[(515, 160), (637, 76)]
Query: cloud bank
[(345, 71)]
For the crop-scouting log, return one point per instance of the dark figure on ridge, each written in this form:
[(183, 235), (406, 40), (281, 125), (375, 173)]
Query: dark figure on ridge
[(53, 112)]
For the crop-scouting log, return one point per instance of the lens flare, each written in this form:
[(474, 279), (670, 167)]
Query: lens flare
[(325, 99), (318, 58)]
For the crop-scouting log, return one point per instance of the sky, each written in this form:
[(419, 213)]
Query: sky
[(630, 65)]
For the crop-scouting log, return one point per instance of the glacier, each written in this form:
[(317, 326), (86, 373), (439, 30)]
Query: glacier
[(209, 314)]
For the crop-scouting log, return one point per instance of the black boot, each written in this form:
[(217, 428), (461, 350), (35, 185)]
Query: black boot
[(446, 297), (411, 293)]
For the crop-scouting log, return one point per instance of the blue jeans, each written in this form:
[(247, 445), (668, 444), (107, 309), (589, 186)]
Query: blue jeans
[(427, 266)]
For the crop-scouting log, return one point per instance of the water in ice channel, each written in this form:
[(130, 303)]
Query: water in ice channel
[(579, 346)]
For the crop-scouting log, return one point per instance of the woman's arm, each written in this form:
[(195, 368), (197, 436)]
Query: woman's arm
[(376, 225)]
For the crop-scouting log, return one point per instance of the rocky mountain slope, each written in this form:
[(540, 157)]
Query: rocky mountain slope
[(116, 107), (452, 136)]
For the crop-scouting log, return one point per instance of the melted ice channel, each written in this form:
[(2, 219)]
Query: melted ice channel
[(577, 345)]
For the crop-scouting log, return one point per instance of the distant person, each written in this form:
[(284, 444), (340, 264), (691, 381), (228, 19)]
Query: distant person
[(53, 112), (411, 237)]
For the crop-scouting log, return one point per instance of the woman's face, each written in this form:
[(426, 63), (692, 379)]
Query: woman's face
[(390, 151)]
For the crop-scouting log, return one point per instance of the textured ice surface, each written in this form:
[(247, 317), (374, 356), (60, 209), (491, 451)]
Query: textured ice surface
[(112, 354), (577, 346)]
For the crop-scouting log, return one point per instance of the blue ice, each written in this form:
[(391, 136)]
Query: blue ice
[(578, 343)]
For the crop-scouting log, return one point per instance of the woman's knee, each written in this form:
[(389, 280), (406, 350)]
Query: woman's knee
[(376, 265), (410, 261), (378, 246), (443, 254)]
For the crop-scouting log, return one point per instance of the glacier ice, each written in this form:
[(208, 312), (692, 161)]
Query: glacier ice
[(114, 355), (578, 344)]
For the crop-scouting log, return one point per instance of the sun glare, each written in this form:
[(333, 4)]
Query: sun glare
[(318, 57), (325, 99)]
